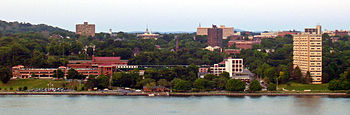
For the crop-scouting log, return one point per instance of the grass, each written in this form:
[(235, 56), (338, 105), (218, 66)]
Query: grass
[(302, 87), (31, 83)]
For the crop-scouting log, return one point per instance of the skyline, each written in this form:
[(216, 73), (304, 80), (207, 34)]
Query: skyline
[(172, 16)]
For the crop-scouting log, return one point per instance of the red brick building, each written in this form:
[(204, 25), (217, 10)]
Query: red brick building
[(96, 66), (232, 51), (242, 44)]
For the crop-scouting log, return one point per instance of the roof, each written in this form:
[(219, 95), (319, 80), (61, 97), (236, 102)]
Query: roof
[(104, 59)]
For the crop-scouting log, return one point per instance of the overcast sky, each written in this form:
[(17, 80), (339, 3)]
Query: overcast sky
[(180, 15)]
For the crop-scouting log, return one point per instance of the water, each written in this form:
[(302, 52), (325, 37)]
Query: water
[(139, 105)]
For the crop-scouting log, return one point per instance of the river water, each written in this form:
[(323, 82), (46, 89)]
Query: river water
[(205, 105)]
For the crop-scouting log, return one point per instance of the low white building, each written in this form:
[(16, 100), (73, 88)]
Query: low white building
[(232, 66)]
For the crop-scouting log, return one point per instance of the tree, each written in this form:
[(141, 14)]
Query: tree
[(225, 75), (334, 85), (235, 85), (144, 82), (163, 82), (58, 74), (220, 83), (74, 74), (182, 85), (102, 81), (5, 74), (308, 78), (91, 82), (271, 87), (297, 74), (200, 84), (255, 86), (210, 76)]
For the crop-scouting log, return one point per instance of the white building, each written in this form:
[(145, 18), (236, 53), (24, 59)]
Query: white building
[(232, 66)]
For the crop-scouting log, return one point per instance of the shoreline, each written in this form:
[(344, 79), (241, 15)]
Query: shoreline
[(173, 94)]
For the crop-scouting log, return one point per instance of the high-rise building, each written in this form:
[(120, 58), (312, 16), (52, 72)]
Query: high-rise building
[(214, 36), (85, 29), (307, 55), (226, 31), (317, 30)]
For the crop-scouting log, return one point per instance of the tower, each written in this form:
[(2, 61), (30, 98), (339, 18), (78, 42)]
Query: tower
[(177, 44)]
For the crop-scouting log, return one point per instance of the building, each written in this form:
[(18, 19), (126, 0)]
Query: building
[(341, 32), (226, 31), (270, 34), (307, 55), (215, 36), (96, 66), (317, 30), (85, 29), (284, 33), (242, 44), (232, 51), (148, 35), (213, 48)]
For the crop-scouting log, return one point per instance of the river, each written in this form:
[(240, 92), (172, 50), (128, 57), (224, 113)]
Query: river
[(204, 105)]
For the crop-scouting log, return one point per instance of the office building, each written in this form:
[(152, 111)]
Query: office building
[(85, 29), (226, 31)]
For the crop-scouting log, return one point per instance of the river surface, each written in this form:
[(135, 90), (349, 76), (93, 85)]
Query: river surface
[(204, 105)]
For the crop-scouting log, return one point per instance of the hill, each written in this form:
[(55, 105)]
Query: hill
[(22, 27)]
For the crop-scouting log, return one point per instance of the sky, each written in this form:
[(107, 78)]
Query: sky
[(180, 15)]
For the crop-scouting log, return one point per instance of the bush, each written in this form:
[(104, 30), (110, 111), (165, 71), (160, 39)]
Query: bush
[(255, 86), (182, 85), (11, 88), (25, 88), (235, 85), (20, 89), (271, 87)]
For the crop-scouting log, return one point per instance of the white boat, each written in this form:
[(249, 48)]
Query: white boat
[(151, 95)]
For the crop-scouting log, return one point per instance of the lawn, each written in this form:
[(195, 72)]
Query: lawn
[(302, 87), (31, 83)]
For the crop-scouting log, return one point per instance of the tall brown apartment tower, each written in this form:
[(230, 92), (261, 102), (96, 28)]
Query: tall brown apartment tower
[(307, 55), (85, 29), (215, 36)]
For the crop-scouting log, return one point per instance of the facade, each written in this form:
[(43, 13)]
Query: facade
[(232, 51), (226, 31), (232, 66), (317, 30), (85, 29), (341, 32), (242, 44), (215, 36), (307, 55), (149, 35), (97, 66), (284, 33), (270, 34)]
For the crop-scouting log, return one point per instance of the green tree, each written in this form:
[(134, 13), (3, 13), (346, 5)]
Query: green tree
[(210, 76), (58, 74), (5, 74), (200, 84), (308, 78), (74, 74), (182, 85), (163, 82), (225, 75), (297, 74), (220, 83), (144, 82), (235, 85), (271, 87), (255, 86), (334, 85), (102, 81), (91, 82)]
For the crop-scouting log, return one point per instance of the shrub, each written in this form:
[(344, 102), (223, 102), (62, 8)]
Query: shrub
[(235, 85), (255, 86), (20, 89), (271, 87), (25, 88), (11, 88)]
